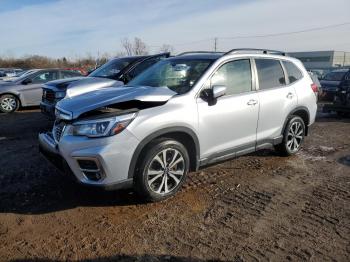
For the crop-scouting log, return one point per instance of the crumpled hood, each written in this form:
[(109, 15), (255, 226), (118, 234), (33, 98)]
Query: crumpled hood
[(80, 85), (105, 97)]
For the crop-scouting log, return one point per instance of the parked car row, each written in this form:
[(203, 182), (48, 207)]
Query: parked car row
[(146, 122), (26, 90), (8, 73), (116, 72)]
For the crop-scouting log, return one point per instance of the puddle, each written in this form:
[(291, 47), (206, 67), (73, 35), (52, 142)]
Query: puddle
[(345, 160)]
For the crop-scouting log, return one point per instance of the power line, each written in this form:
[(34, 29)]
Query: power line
[(259, 36), (288, 33)]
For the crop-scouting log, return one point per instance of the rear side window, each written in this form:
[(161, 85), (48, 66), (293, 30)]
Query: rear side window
[(270, 73), (293, 72)]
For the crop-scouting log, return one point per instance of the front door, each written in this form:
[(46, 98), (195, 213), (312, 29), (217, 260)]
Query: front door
[(32, 92), (229, 125)]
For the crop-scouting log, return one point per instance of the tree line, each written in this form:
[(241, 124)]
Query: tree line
[(130, 47)]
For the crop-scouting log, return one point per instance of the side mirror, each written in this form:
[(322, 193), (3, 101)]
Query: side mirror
[(219, 91), (211, 95), (27, 81)]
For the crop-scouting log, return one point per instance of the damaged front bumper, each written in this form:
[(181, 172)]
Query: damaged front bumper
[(102, 162)]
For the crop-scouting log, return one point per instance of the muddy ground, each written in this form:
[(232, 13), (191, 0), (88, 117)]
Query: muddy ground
[(255, 208)]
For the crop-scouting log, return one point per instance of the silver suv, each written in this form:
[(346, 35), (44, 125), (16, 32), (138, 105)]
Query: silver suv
[(182, 114)]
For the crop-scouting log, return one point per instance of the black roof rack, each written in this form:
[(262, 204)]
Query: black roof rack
[(199, 52), (264, 51)]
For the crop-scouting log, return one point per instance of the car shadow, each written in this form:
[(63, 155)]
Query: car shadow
[(32, 185)]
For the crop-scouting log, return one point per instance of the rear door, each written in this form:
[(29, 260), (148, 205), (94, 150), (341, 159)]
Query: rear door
[(229, 126), (32, 92), (277, 99)]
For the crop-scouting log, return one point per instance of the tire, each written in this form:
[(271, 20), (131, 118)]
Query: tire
[(8, 103), (293, 137), (155, 181)]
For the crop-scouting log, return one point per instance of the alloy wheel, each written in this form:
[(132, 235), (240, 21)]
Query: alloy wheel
[(8, 103), (165, 171), (295, 136)]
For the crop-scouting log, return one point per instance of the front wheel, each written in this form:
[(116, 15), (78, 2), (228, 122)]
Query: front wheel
[(8, 103), (164, 165), (293, 137)]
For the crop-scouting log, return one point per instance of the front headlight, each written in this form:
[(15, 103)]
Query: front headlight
[(60, 94), (102, 127)]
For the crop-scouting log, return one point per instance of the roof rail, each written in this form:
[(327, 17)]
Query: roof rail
[(199, 52), (264, 51)]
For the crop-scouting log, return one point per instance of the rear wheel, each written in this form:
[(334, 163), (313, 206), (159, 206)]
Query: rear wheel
[(164, 165), (8, 103), (293, 137)]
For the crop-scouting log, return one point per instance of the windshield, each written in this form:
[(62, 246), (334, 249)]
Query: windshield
[(112, 68), (179, 75), (23, 76), (335, 76)]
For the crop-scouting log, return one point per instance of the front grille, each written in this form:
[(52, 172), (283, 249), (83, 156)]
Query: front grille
[(49, 95), (57, 131)]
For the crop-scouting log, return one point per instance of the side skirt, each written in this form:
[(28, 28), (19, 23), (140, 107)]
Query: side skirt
[(239, 151)]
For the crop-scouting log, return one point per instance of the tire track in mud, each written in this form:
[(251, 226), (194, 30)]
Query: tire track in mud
[(304, 210)]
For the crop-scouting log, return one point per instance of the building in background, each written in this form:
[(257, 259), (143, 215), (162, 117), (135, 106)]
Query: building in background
[(323, 59)]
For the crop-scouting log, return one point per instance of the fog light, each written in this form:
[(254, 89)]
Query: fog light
[(91, 168), (94, 176)]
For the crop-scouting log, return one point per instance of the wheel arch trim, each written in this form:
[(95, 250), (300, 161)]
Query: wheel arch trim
[(159, 133), (299, 108)]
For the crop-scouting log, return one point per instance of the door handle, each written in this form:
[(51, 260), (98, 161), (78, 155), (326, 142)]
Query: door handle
[(290, 95), (252, 102)]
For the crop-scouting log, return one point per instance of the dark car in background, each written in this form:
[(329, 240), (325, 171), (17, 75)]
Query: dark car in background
[(330, 82), (26, 90), (116, 72), (341, 101)]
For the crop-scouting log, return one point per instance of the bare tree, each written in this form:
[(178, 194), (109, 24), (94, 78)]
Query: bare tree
[(127, 45), (140, 47), (166, 48)]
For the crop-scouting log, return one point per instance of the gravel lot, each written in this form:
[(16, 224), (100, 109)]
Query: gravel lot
[(255, 208)]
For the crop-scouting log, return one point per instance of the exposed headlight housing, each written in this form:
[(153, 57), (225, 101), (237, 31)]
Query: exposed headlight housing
[(102, 127), (60, 94)]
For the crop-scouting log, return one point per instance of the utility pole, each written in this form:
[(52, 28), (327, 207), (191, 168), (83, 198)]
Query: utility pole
[(215, 44)]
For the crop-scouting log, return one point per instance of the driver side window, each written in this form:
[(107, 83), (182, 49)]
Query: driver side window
[(235, 75), (44, 77)]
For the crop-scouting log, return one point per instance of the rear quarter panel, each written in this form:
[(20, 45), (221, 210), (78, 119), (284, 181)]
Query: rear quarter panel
[(306, 96)]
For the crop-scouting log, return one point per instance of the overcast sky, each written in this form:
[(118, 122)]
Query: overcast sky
[(74, 28)]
